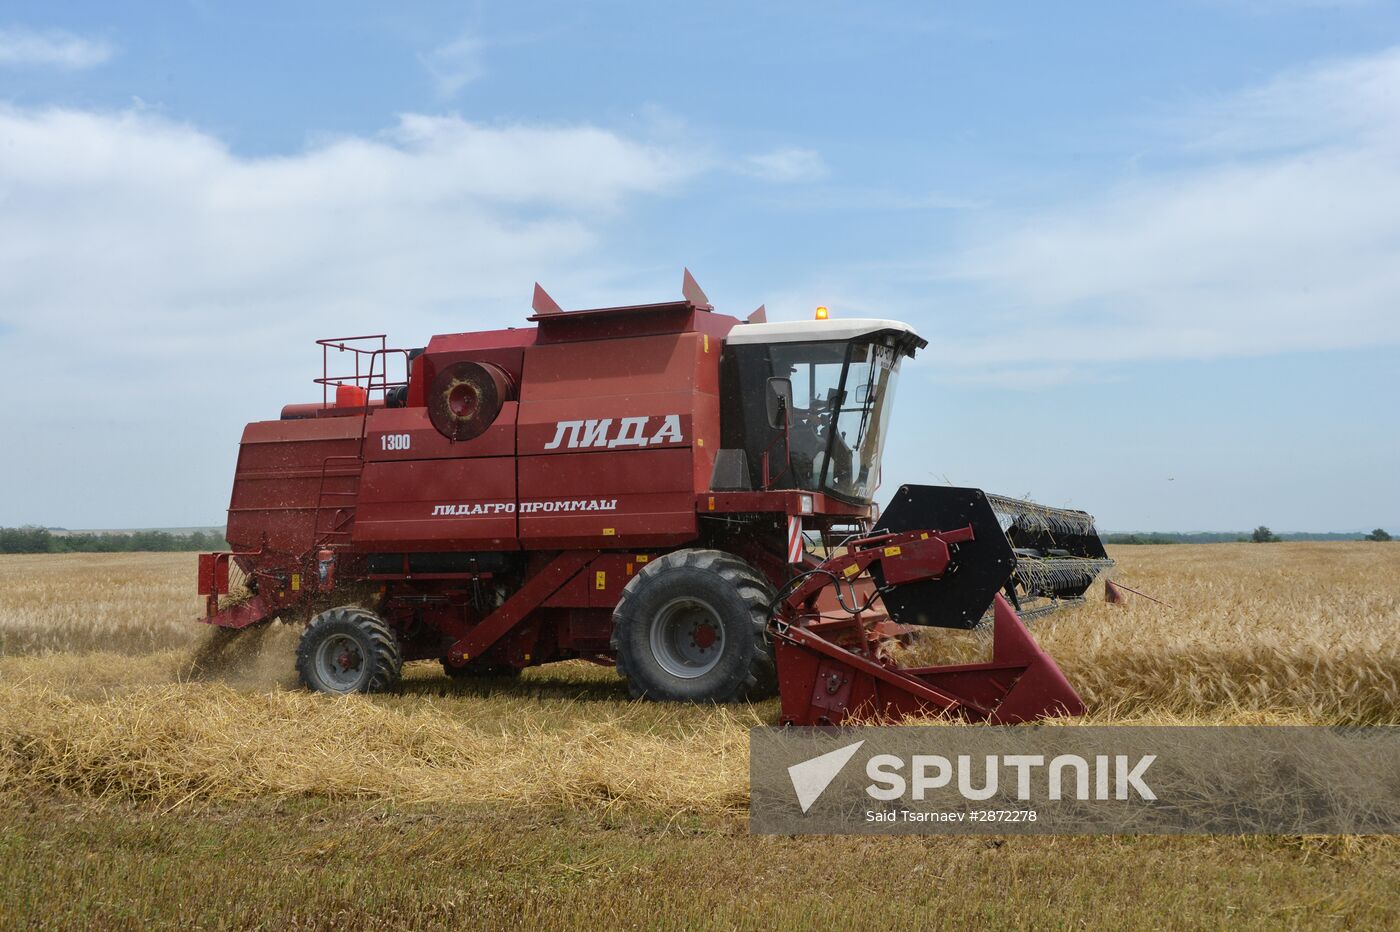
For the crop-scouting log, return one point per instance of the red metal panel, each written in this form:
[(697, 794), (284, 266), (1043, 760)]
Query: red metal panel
[(407, 434), (573, 594), (278, 478), (213, 573), (705, 430), (641, 498), (607, 575), (511, 337), (600, 584), (310, 430), (616, 425), (242, 614), (587, 630), (634, 366), (608, 422), (515, 609), (707, 370), (577, 396), (464, 504), (783, 501), (823, 684)]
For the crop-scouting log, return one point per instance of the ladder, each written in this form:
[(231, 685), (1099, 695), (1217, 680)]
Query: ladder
[(335, 506)]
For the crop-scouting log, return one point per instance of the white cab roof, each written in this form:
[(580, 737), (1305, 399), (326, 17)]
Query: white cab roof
[(809, 331)]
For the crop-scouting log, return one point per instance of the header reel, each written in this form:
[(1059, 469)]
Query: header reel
[(1041, 558)]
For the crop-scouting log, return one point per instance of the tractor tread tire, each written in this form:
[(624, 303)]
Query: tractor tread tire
[(378, 642), (752, 673)]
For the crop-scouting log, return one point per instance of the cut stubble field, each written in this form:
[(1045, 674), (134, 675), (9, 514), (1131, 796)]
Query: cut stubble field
[(131, 792)]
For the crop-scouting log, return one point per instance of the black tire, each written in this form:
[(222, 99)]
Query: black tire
[(478, 670), (658, 634), (349, 650)]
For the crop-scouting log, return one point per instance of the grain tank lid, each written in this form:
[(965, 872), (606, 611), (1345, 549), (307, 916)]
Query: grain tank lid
[(612, 322), (636, 311), (557, 325)]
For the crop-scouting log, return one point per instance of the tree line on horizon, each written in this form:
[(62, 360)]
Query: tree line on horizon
[(1260, 535), (42, 540)]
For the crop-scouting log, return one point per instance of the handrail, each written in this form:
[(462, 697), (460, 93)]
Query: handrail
[(364, 378), (371, 375)]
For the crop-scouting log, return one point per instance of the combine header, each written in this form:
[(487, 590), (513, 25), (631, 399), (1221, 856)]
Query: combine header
[(661, 487)]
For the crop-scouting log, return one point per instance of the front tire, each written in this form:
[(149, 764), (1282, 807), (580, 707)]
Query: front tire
[(692, 627), (349, 650)]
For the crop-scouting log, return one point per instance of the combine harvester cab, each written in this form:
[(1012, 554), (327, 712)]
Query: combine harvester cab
[(638, 486)]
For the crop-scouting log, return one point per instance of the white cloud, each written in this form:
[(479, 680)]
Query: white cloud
[(786, 165), (455, 64), (51, 48), (1351, 101), (157, 290), (1285, 241)]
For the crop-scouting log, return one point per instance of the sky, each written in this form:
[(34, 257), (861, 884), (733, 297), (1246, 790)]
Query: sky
[(1155, 248)]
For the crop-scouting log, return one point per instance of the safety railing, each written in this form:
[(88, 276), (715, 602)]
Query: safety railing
[(370, 355), (335, 508)]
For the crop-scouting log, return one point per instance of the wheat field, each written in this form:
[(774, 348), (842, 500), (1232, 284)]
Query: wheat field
[(101, 723), (96, 695)]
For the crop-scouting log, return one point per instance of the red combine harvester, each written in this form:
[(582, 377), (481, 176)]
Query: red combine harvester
[(641, 486)]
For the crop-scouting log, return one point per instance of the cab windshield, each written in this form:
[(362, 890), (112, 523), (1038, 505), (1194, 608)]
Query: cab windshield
[(834, 399), (841, 396)]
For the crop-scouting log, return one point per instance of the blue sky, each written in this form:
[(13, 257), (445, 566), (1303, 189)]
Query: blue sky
[(1153, 247)]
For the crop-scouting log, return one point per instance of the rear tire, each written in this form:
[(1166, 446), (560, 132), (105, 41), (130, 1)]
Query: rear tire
[(692, 627), (349, 650)]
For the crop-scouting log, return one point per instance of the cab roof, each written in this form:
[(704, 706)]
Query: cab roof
[(813, 331)]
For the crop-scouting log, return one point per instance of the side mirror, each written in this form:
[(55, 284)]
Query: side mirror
[(779, 402), (862, 394)]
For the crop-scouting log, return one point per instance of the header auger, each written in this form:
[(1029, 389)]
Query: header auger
[(662, 487)]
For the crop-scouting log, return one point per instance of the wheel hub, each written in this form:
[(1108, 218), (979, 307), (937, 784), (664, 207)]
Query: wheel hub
[(703, 636), (339, 662), (687, 638)]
